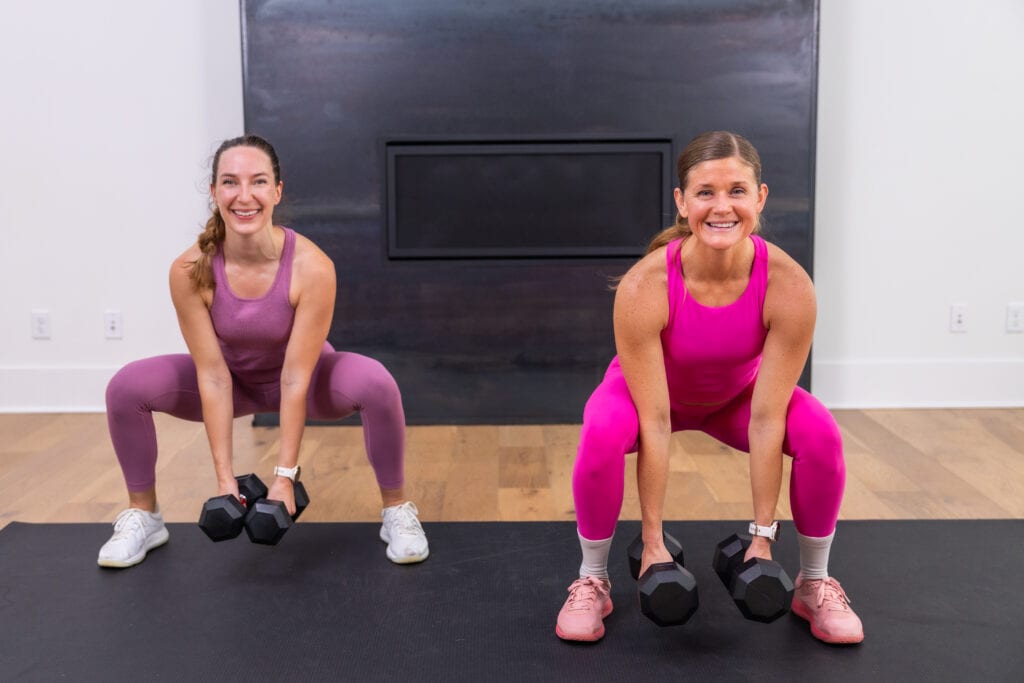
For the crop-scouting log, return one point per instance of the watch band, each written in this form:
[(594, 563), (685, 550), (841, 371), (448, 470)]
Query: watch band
[(290, 472), (769, 532)]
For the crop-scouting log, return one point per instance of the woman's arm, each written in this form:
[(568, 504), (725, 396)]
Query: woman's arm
[(215, 390), (313, 293), (789, 315), (640, 314)]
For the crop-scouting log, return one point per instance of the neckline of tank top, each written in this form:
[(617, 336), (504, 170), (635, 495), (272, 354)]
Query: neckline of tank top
[(742, 295), (273, 284)]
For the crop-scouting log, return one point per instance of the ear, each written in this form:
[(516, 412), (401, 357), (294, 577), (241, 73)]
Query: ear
[(762, 197), (280, 192), (677, 194)]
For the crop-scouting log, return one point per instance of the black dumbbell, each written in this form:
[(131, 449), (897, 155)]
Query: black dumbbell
[(223, 517), (760, 588), (667, 591), (268, 520), (636, 551)]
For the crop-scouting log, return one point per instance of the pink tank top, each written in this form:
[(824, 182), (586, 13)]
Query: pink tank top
[(713, 352), (254, 333)]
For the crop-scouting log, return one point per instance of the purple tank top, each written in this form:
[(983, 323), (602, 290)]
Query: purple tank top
[(713, 352), (254, 333)]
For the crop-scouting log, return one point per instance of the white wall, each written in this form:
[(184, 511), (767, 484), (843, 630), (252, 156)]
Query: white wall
[(919, 174), (111, 111), (112, 108)]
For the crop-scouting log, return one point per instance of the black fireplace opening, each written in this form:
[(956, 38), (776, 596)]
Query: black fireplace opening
[(506, 199)]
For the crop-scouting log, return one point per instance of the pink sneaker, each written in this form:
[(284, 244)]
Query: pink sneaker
[(823, 602), (582, 615)]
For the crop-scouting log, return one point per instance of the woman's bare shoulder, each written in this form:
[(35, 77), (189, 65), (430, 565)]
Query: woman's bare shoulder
[(790, 289), (782, 265), (648, 273), (310, 260)]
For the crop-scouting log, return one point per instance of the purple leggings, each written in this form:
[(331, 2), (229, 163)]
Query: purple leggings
[(342, 383), (611, 428)]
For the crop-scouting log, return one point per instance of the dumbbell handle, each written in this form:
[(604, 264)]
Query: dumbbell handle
[(636, 549)]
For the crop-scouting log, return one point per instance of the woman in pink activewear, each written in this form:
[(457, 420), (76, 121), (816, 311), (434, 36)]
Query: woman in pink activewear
[(712, 329), (254, 302)]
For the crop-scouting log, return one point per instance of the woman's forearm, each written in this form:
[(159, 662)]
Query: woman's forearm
[(652, 482), (218, 418), (293, 422), (766, 469)]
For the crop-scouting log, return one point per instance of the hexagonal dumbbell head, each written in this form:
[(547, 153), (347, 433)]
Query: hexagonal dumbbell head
[(728, 557), (762, 590), (267, 521), (222, 518), (636, 551), (668, 594), (301, 499)]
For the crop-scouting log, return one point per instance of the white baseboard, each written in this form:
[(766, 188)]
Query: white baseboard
[(838, 384), (997, 383)]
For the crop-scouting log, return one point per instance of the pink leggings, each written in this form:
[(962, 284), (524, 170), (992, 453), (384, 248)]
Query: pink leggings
[(611, 428), (343, 383)]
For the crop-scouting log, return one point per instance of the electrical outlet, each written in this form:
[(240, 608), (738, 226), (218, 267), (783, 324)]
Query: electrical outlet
[(40, 323), (113, 325), (958, 317), (1015, 317)]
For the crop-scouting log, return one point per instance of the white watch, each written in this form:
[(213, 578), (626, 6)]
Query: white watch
[(290, 472), (769, 532)]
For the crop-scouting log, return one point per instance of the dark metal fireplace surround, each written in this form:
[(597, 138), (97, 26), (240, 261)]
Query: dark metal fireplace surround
[(480, 171)]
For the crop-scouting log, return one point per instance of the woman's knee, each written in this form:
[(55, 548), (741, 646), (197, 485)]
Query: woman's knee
[(815, 441), (161, 383), (125, 388), (380, 386), (604, 443), (365, 381)]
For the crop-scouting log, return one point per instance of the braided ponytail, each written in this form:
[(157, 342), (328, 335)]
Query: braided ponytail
[(210, 239)]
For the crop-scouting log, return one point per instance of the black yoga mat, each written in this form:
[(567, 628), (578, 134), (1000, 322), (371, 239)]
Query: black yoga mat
[(940, 600)]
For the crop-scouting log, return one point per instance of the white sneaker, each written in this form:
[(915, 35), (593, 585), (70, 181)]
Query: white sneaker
[(135, 533), (402, 532)]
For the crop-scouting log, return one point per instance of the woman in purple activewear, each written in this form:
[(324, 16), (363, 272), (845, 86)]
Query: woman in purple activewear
[(254, 302), (712, 329)]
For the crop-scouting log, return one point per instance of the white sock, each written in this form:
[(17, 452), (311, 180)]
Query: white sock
[(814, 555), (595, 557)]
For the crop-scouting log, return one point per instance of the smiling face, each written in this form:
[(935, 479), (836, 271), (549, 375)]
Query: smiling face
[(245, 189), (721, 201)]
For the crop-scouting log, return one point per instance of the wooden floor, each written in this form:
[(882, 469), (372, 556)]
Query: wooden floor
[(906, 464)]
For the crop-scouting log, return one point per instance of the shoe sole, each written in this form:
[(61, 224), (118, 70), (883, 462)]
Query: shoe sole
[(155, 541), (800, 610), (587, 637), (408, 559)]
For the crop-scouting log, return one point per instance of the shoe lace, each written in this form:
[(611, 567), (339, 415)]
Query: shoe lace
[(402, 520), (583, 592), (127, 524), (829, 591)]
